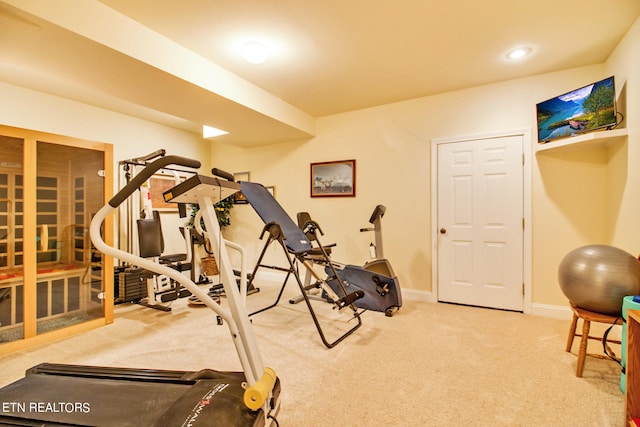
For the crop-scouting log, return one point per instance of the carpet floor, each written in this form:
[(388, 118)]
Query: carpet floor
[(431, 364)]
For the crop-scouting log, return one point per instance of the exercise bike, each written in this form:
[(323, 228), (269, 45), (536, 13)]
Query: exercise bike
[(376, 277), (106, 396), (378, 263)]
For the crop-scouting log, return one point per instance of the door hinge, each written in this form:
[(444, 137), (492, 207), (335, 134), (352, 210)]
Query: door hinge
[(522, 288), (523, 223)]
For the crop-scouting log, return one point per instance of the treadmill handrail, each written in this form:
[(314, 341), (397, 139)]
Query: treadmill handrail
[(237, 324)]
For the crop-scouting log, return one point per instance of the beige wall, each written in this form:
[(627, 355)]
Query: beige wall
[(131, 137), (624, 167), (586, 197), (578, 198), (391, 145)]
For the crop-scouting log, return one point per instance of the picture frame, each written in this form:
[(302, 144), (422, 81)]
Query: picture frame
[(242, 176), (160, 183), (272, 190), (333, 179), (237, 177), (240, 199)]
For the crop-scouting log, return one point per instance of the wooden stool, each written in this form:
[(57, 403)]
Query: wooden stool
[(588, 317)]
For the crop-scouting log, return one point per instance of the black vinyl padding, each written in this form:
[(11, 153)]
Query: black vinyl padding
[(150, 237), (269, 210)]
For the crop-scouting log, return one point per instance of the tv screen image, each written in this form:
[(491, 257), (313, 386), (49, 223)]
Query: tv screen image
[(582, 110)]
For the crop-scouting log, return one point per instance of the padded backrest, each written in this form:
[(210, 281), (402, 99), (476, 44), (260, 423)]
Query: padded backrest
[(269, 210), (303, 218), (150, 241)]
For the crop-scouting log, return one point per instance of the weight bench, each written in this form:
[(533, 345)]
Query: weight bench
[(298, 250), (160, 288)]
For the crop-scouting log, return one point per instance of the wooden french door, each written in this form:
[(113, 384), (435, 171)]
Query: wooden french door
[(51, 279)]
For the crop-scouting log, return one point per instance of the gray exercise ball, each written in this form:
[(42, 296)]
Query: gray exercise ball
[(598, 277)]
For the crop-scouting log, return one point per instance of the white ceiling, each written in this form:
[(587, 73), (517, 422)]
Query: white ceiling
[(169, 60)]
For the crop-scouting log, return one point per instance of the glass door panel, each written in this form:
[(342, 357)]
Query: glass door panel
[(11, 239), (69, 273)]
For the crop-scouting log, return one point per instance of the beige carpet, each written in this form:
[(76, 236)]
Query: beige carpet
[(429, 365)]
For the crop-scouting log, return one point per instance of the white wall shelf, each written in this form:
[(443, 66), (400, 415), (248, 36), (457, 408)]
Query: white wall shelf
[(587, 141)]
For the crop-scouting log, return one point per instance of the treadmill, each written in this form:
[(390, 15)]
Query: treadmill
[(75, 395)]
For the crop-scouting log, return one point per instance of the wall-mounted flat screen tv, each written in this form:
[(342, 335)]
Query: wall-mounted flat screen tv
[(582, 110)]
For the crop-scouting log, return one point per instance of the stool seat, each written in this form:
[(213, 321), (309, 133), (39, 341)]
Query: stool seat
[(588, 317)]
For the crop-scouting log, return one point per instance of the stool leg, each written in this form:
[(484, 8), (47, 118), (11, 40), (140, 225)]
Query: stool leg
[(582, 354), (572, 332)]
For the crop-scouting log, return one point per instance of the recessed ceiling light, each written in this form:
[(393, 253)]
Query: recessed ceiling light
[(518, 53), (255, 52), (211, 132)]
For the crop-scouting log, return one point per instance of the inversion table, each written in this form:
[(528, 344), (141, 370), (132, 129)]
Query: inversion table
[(298, 249)]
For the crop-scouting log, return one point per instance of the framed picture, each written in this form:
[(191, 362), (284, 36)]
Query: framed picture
[(240, 199), (242, 176), (333, 179), (237, 177), (272, 190), (158, 185)]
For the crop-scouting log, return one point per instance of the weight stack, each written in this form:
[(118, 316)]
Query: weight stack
[(132, 285)]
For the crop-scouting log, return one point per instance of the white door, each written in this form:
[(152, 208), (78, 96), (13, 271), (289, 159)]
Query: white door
[(480, 222)]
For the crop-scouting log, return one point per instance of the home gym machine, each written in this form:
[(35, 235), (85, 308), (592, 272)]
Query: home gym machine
[(376, 278), (103, 396), (141, 233), (217, 290)]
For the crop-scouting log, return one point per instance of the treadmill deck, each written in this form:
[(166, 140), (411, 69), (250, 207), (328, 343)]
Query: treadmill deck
[(55, 395)]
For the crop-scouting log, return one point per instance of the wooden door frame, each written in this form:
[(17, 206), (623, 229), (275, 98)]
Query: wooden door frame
[(525, 133), (31, 138)]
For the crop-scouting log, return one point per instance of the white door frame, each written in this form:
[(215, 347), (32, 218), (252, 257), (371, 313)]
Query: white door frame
[(527, 195)]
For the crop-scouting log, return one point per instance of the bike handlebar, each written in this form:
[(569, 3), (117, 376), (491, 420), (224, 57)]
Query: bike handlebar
[(147, 173)]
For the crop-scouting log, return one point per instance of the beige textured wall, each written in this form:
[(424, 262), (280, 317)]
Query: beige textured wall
[(586, 197), (624, 166), (131, 137), (578, 198)]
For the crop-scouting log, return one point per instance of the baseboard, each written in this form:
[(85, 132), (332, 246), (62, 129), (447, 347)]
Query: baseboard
[(552, 311), (542, 310), (417, 295), (407, 294)]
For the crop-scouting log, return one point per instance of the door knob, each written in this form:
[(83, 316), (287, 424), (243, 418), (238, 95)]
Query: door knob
[(443, 230)]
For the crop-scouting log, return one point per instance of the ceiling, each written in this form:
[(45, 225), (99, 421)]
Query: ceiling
[(175, 62)]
